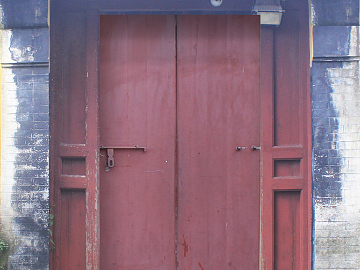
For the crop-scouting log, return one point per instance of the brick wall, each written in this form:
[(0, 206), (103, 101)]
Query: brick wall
[(336, 135), (25, 134)]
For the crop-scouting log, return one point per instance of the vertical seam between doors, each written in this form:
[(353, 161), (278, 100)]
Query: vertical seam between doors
[(176, 182)]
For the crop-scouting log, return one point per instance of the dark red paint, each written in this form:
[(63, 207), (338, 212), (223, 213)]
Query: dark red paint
[(138, 107), (218, 105), (190, 95)]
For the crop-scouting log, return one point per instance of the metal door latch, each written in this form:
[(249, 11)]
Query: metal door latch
[(110, 157), (110, 161), (238, 148), (255, 147)]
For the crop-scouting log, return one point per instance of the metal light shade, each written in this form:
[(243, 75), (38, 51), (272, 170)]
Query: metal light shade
[(269, 14)]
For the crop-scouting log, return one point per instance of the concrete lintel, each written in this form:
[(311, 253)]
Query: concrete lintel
[(336, 41), (25, 45)]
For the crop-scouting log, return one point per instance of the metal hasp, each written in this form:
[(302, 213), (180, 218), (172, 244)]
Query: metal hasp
[(110, 157), (135, 147), (110, 153)]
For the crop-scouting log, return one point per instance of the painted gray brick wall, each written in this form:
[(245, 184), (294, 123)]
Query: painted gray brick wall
[(24, 174), (335, 100), (336, 163), (25, 133)]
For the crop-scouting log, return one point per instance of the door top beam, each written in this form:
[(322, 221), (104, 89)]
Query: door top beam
[(173, 7)]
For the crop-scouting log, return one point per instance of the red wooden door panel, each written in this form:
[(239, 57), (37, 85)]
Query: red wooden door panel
[(178, 86), (218, 110), (137, 98), (285, 142), (190, 96)]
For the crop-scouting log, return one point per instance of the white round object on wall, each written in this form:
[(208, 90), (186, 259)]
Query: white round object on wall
[(216, 3)]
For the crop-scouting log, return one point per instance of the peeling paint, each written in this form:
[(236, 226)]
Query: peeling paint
[(8, 154), (186, 246), (24, 152), (336, 159)]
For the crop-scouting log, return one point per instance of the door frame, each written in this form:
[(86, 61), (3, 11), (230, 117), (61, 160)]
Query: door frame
[(75, 72)]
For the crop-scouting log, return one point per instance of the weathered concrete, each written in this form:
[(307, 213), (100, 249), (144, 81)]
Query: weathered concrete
[(335, 12)]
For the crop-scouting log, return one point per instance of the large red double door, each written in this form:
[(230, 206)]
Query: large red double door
[(180, 135)]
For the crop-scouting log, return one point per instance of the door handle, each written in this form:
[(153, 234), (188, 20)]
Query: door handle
[(110, 162), (239, 148)]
